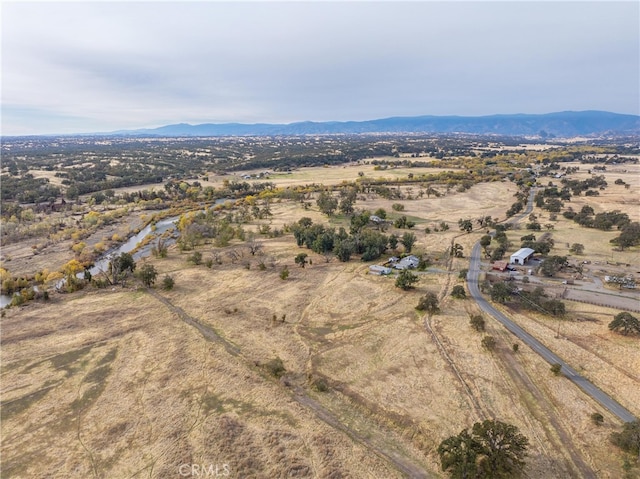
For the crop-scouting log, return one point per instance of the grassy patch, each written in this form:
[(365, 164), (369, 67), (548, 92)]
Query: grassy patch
[(211, 402)]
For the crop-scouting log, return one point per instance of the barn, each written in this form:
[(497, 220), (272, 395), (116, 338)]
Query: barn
[(521, 256)]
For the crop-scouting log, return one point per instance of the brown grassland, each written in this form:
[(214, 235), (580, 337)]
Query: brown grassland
[(114, 383)]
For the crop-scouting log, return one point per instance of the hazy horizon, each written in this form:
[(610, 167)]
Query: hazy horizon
[(85, 67)]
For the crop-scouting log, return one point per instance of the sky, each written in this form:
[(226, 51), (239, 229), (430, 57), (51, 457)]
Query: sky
[(97, 66)]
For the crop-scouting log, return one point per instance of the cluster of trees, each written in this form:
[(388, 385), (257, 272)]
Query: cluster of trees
[(578, 186), (543, 247), (534, 300), (602, 221), (27, 189), (502, 243), (492, 449), (360, 240)]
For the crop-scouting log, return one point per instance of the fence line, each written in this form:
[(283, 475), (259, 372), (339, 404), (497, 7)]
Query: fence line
[(635, 310)]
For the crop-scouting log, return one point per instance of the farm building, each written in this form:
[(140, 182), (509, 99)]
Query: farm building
[(499, 265), (379, 270), (521, 256), (408, 262)]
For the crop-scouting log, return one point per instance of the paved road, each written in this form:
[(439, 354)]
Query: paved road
[(594, 392)]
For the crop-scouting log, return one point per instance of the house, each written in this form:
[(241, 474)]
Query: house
[(408, 262), (521, 256), (379, 270), (499, 265)]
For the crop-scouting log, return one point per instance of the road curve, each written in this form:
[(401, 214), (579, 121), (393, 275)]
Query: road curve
[(594, 392)]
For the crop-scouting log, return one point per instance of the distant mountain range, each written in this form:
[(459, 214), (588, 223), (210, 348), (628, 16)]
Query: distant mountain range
[(562, 124)]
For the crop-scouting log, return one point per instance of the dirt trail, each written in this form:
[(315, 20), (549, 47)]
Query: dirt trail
[(543, 410), (400, 462)]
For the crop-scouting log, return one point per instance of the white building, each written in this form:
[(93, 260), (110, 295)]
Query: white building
[(379, 270), (408, 262), (521, 256)]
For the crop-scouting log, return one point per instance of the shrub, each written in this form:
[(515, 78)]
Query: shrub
[(477, 322), (284, 274), (195, 258), (458, 292), (556, 369), (275, 367), (489, 342), (167, 283), (597, 418), (321, 385)]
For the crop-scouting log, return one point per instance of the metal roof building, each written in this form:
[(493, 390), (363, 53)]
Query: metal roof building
[(521, 256)]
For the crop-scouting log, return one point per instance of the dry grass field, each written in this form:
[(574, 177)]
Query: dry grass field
[(114, 383)]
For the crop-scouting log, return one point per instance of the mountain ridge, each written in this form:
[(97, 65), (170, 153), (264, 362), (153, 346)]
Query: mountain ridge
[(558, 124)]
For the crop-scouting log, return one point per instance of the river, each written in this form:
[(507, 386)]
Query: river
[(102, 263)]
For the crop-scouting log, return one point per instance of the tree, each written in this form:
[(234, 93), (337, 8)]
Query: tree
[(465, 225), (393, 241), (500, 293), (406, 279), (458, 456), (503, 449), (343, 249), (552, 265), (629, 438), (428, 303), (576, 248), (147, 275), (629, 236), (457, 250), (121, 265), (327, 203), (493, 450), (408, 240), (556, 369), (458, 292), (484, 242), (301, 259), (625, 324)]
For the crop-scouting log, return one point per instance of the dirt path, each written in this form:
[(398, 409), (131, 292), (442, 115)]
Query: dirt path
[(400, 462), (543, 410)]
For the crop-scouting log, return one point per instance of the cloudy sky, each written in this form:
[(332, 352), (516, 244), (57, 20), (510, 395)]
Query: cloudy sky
[(101, 66)]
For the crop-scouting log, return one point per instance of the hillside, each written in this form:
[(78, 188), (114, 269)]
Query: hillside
[(561, 124)]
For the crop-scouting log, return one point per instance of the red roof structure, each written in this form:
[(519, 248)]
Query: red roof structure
[(499, 265)]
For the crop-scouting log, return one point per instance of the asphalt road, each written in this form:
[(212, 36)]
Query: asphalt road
[(594, 392)]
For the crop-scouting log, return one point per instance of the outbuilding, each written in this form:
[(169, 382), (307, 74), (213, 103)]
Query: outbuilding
[(408, 262), (521, 256), (379, 270), (499, 265)]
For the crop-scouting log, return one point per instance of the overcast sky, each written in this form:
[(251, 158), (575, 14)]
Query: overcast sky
[(100, 66)]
